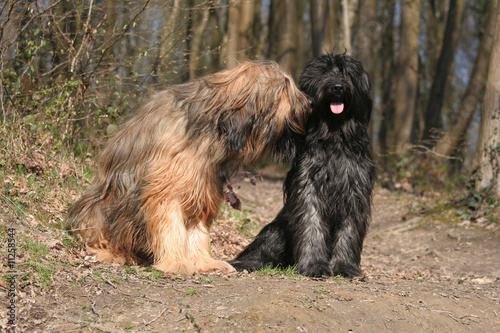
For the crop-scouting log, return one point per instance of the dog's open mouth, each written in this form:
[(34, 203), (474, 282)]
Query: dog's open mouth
[(337, 107)]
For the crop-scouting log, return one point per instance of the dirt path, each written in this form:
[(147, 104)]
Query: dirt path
[(425, 272)]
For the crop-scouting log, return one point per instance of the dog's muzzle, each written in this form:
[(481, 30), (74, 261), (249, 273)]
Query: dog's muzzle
[(337, 105)]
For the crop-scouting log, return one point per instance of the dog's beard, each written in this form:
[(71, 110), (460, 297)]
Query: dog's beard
[(335, 108)]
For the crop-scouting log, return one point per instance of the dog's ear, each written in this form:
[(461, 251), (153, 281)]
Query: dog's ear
[(365, 82), (236, 129)]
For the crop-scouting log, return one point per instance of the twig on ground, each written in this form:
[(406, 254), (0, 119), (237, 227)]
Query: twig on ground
[(91, 325), (155, 319)]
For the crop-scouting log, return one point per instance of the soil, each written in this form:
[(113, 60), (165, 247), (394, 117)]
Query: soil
[(425, 271)]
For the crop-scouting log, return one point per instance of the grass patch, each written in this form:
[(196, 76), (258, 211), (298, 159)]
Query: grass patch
[(43, 275), (322, 291), (35, 248), (155, 274), (208, 280), (129, 270), (289, 272), (191, 291), (70, 242), (312, 303), (337, 278), (239, 220), (97, 273)]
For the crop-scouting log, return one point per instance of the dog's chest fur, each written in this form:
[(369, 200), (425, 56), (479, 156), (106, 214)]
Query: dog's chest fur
[(332, 176)]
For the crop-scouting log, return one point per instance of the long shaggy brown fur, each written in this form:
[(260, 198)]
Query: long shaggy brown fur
[(159, 182)]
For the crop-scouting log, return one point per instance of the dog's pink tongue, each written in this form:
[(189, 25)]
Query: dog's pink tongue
[(337, 108)]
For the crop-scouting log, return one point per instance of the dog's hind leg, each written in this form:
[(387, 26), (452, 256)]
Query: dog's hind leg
[(199, 248), (169, 239), (87, 218), (267, 249)]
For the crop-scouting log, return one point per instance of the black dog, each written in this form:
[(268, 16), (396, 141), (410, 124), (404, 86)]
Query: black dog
[(328, 190)]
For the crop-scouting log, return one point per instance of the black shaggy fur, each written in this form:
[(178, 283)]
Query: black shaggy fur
[(328, 190)]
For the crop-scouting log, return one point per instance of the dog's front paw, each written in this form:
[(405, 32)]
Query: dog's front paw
[(315, 270), (347, 270), (239, 266), (249, 265)]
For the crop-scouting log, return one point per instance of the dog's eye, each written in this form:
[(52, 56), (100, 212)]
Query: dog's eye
[(311, 102)]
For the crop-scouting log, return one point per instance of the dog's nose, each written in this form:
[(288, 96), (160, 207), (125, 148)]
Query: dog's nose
[(338, 89)]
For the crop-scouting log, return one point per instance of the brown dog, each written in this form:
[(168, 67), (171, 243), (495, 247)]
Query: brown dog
[(160, 179)]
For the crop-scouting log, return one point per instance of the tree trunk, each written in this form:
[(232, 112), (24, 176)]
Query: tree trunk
[(365, 47), (387, 129), (199, 29), (304, 53), (346, 24), (448, 144), (110, 20), (232, 34), (188, 31), (167, 37), (246, 38), (406, 74), (434, 106), (333, 6), (434, 32), (487, 159), (259, 33), (321, 26), (285, 20)]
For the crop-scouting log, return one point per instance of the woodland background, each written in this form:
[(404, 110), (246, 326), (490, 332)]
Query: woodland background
[(71, 71)]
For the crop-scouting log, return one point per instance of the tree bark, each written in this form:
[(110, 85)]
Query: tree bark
[(246, 38), (487, 158), (168, 31), (346, 24), (304, 53), (406, 74), (365, 46), (321, 26), (199, 29), (187, 40), (450, 141), (387, 129), (259, 32), (232, 34), (434, 106), (285, 20)]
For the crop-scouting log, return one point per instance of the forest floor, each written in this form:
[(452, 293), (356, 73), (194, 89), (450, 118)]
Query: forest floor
[(425, 270)]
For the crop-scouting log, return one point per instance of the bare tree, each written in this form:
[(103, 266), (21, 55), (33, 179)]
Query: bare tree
[(436, 98), (406, 74), (233, 36), (245, 29), (449, 142), (346, 24), (198, 32), (168, 36), (321, 26), (487, 159), (241, 32), (283, 33), (387, 129), (365, 36)]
